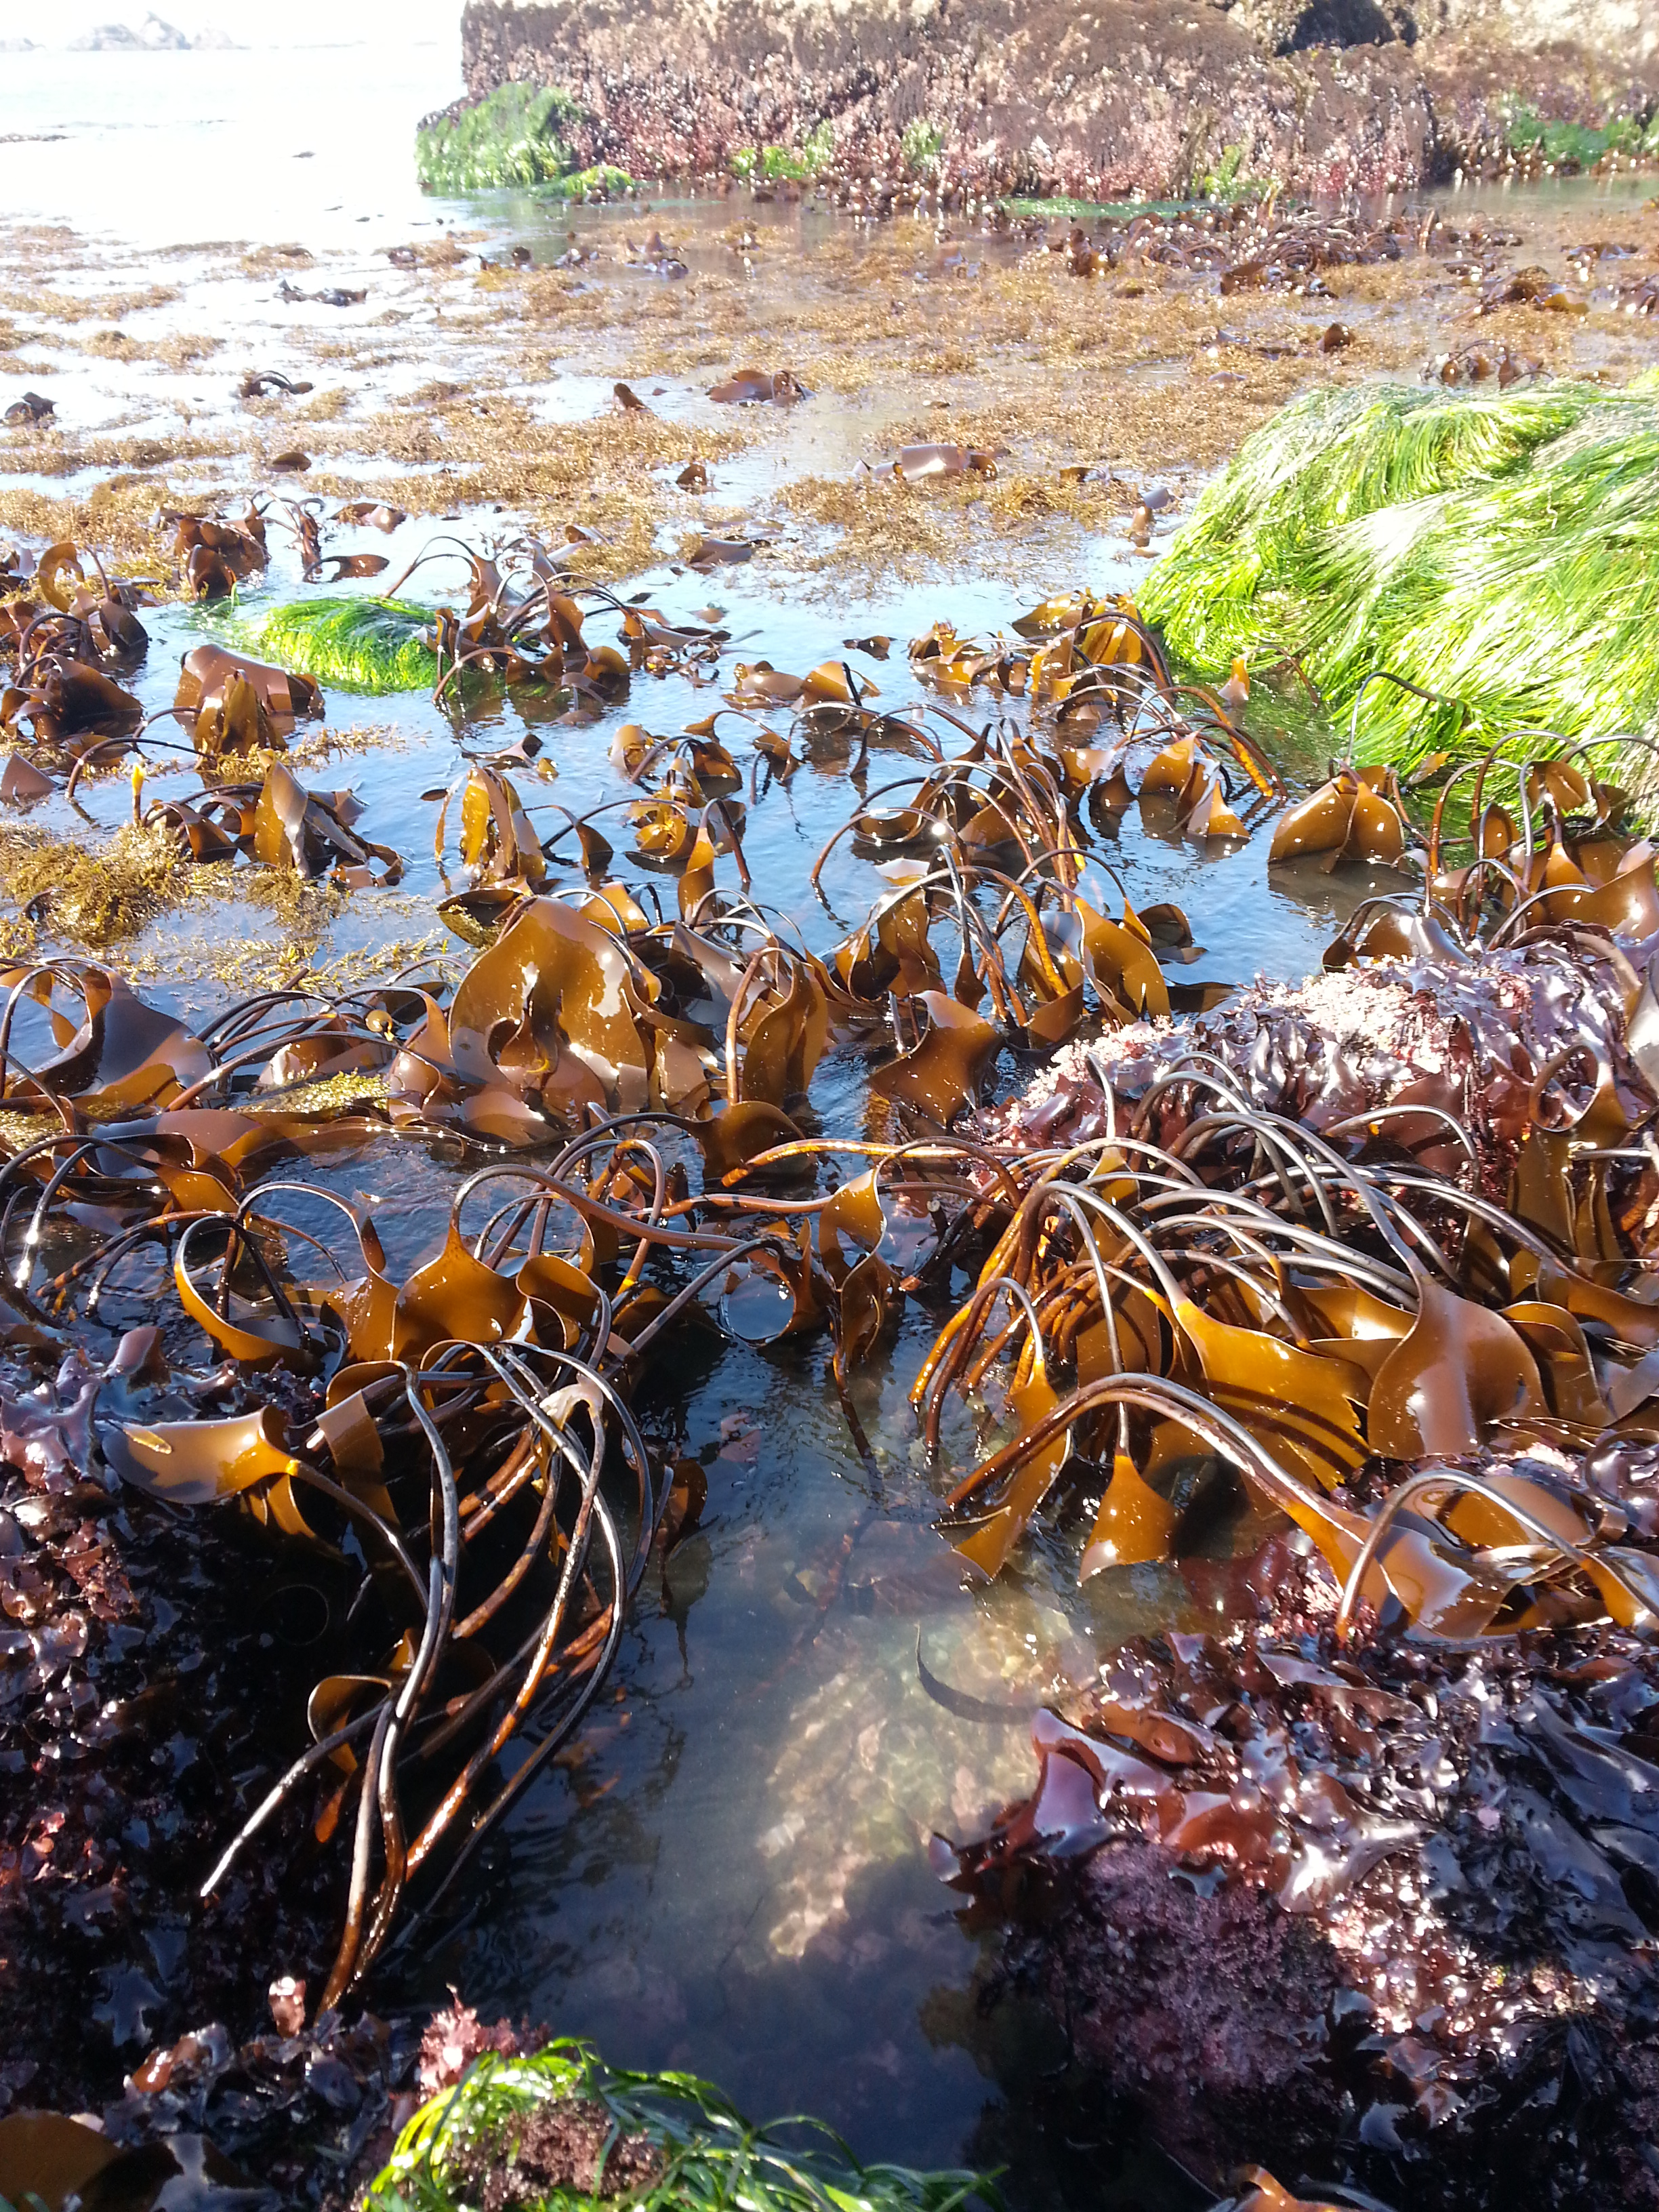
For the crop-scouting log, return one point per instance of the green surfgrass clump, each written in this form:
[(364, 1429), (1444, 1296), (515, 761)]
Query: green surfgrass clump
[(798, 164), (1503, 550), (513, 135), (359, 644), (603, 181), (674, 2145), (1582, 145)]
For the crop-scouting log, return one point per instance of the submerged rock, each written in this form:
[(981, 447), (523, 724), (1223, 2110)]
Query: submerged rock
[(1143, 96)]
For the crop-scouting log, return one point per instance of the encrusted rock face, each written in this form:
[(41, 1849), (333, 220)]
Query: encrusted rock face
[(1618, 29), (1133, 96), (1625, 31)]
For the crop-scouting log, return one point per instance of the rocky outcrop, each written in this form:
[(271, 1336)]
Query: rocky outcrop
[(1628, 30), (1045, 96)]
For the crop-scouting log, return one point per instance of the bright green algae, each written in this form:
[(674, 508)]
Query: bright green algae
[(1582, 145), (510, 137), (1501, 550), (711, 2156), (361, 644), (514, 138)]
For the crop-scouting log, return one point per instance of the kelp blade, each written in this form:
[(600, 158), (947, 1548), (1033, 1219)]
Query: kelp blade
[(360, 644), (1495, 549)]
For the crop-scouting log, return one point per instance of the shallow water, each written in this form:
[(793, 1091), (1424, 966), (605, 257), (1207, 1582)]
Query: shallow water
[(726, 1871), (273, 141)]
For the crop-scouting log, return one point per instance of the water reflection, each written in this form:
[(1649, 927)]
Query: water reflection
[(728, 1872)]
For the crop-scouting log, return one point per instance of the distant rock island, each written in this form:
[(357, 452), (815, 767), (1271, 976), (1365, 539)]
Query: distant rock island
[(153, 36)]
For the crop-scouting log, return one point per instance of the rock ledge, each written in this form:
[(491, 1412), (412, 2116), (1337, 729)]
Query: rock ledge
[(1135, 97)]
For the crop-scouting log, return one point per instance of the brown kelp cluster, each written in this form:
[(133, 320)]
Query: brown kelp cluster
[(474, 1378), (521, 621), (71, 633), (1466, 1443), (1390, 1217), (65, 628), (1375, 1256), (461, 1428), (278, 823)]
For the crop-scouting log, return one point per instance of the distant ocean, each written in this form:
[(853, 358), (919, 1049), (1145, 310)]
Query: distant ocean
[(175, 149)]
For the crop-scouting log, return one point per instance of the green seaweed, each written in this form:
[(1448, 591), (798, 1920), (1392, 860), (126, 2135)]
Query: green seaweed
[(1502, 551), (1581, 145), (921, 145), (711, 2155), (799, 164), (1229, 182), (358, 644), (1075, 210), (510, 137), (604, 180)]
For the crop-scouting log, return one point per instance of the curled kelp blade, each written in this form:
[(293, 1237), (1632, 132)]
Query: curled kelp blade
[(216, 553), (197, 1462), (753, 386), (50, 2156), (944, 1071), (1133, 1525)]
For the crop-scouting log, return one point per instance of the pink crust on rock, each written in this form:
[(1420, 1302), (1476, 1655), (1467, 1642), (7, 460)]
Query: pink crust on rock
[(1473, 1041)]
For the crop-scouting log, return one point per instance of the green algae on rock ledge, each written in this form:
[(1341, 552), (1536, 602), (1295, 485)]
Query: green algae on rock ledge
[(511, 137)]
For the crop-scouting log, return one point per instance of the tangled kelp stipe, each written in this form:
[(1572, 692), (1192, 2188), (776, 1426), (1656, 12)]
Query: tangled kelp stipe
[(1493, 551), (355, 644), (559, 2125)]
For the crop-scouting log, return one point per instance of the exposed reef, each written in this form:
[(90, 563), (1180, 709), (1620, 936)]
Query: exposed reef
[(1139, 97)]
